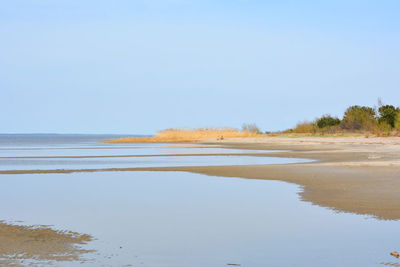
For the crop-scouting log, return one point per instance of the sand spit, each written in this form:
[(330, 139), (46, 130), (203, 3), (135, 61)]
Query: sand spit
[(187, 135), (23, 245)]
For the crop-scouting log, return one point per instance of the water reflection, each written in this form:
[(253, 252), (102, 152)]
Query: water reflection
[(183, 219), (137, 162)]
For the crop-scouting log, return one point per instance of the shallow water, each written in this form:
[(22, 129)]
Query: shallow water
[(116, 149), (52, 164), (60, 152), (183, 219)]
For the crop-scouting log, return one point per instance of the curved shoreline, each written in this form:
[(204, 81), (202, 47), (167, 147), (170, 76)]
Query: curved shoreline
[(357, 176), (354, 176)]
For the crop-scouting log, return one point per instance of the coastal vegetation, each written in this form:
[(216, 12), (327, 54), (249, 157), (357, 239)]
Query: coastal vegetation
[(383, 120), (193, 135)]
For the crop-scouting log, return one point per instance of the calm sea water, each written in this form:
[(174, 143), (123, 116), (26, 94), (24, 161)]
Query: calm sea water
[(180, 219), (49, 152)]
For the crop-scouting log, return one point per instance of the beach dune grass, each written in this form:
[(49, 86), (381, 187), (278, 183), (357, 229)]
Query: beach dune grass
[(187, 135)]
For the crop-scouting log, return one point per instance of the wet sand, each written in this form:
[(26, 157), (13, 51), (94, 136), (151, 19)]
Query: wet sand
[(359, 175), (20, 243)]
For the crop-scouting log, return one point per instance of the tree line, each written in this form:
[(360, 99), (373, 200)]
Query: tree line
[(381, 120)]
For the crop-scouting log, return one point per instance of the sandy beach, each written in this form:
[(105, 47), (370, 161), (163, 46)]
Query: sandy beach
[(349, 174)]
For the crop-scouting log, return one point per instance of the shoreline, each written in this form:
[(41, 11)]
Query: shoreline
[(349, 174), (354, 175)]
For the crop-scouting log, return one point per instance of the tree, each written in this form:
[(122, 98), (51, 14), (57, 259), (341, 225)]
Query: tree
[(359, 118), (388, 114), (327, 121)]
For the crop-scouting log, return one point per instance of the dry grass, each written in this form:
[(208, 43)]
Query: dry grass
[(187, 135), (196, 135), (304, 127)]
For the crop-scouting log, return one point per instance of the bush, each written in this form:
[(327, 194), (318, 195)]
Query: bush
[(381, 121), (327, 121), (397, 122), (388, 114), (305, 127), (359, 118), (384, 128)]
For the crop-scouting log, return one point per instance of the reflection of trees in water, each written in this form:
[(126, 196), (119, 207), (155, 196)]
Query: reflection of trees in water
[(19, 243)]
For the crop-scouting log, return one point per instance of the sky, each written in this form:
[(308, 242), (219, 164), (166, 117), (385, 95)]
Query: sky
[(137, 67)]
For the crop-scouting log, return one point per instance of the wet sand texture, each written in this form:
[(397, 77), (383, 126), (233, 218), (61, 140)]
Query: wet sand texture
[(21, 243)]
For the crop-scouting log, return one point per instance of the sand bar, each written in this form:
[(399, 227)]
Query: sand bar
[(19, 243)]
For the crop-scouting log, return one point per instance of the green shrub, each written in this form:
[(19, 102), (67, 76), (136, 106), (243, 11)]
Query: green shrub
[(359, 118), (388, 114), (327, 121), (382, 121)]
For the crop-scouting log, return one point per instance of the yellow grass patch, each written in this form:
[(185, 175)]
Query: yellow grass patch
[(187, 135)]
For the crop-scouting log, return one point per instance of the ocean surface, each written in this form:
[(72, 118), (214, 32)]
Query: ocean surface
[(175, 218)]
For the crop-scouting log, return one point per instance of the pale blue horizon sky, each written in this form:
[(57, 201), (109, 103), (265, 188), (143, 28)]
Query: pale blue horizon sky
[(136, 67)]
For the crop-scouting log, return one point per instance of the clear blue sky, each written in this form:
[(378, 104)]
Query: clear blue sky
[(73, 66)]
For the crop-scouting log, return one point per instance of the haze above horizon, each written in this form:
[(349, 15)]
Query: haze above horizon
[(142, 66)]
